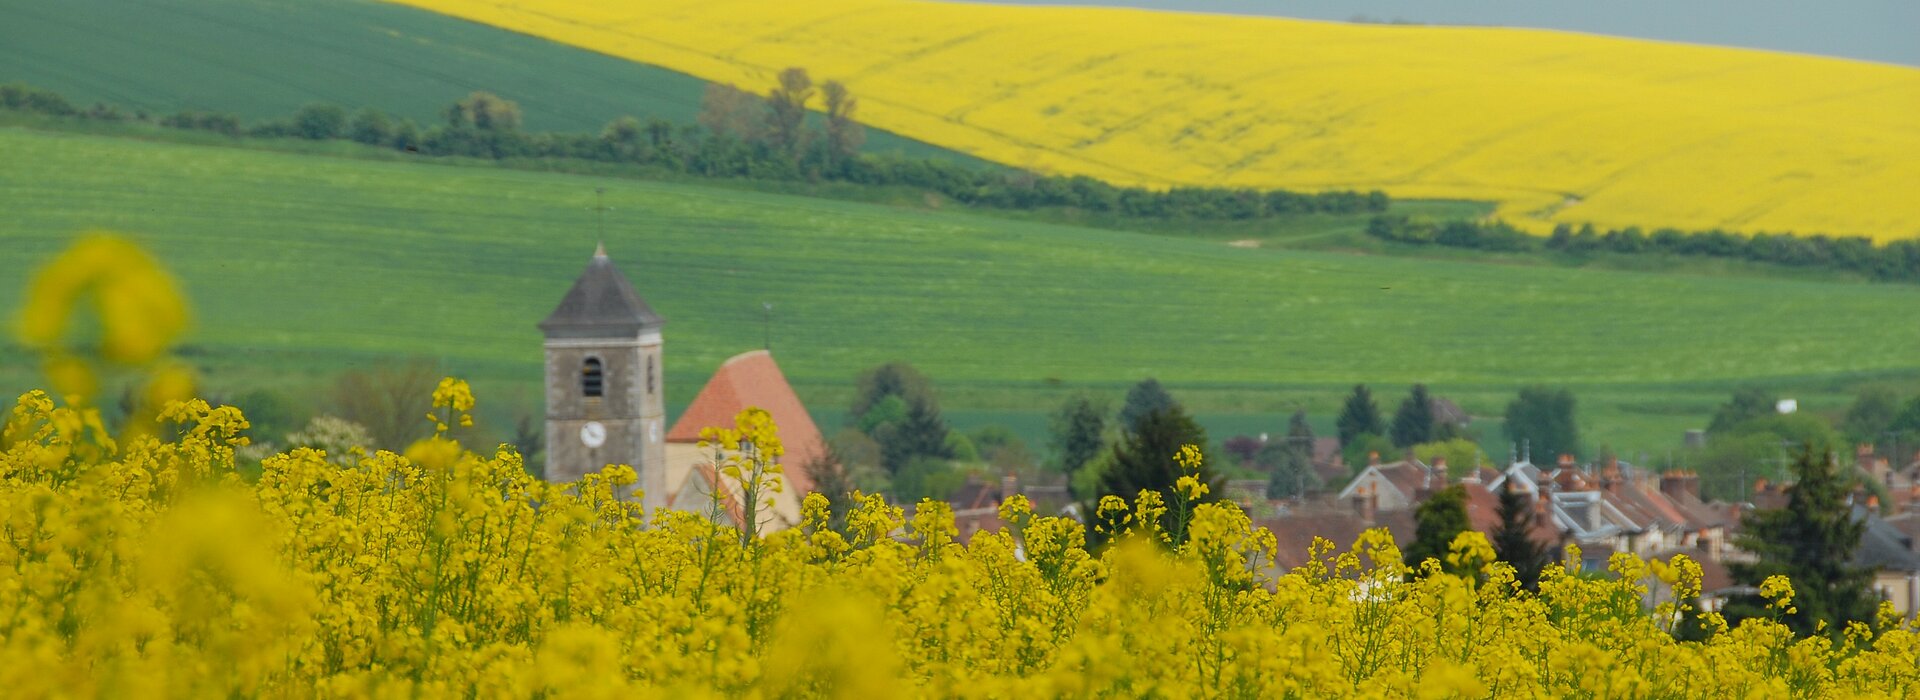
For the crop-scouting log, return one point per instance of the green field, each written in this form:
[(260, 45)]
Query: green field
[(300, 265), (263, 59)]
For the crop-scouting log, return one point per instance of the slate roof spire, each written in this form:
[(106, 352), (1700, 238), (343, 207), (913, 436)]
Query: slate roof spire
[(601, 304)]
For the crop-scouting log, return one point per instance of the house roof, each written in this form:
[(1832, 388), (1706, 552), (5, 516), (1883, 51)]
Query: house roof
[(601, 304), (1483, 507), (1294, 533), (1699, 514), (752, 379), (703, 483), (1884, 545)]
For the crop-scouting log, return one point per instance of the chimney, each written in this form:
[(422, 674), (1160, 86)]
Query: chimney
[(1674, 483), (1366, 503), (1009, 485), (1610, 476), (1760, 485), (1566, 461), (1440, 467), (1873, 503), (1373, 458), (1863, 453)]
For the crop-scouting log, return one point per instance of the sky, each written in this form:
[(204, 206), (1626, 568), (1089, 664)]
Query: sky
[(1887, 31)]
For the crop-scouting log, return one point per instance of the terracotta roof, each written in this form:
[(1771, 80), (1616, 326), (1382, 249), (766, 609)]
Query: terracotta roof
[(752, 379), (1483, 507), (1699, 514), (1294, 533), (601, 304)]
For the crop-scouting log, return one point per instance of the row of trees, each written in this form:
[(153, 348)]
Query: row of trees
[(738, 135), (1417, 421), (1893, 260)]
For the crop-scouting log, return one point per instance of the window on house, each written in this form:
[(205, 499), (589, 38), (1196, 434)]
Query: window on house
[(649, 375), (592, 380)]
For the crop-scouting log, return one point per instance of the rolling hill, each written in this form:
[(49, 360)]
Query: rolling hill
[(263, 59), (299, 265), (1557, 127)]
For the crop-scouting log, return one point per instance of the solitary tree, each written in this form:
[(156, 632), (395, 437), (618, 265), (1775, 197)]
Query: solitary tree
[(729, 112), (1746, 405), (320, 121), (371, 126), (1413, 423), (1144, 399), (1544, 418), (1360, 415), (832, 479), (1514, 544), (1435, 523), (389, 400), (1871, 414), (787, 110), (894, 404), (1291, 471), (1811, 541), (1078, 430), (484, 111), (844, 135)]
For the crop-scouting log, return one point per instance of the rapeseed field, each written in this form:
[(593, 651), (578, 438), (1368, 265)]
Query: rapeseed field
[(1556, 127)]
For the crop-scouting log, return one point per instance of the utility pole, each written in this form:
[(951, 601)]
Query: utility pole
[(600, 213), (767, 325)]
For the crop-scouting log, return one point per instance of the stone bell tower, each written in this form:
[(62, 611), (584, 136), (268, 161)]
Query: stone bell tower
[(603, 381)]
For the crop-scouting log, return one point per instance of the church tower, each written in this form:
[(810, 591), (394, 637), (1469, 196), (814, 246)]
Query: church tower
[(604, 402)]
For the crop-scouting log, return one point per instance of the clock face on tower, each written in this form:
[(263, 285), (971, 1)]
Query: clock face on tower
[(593, 434)]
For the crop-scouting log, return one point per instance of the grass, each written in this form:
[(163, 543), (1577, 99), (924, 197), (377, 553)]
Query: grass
[(1556, 126), (300, 265), (263, 59)]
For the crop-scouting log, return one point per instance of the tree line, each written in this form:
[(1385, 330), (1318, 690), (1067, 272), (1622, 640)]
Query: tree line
[(1893, 260), (738, 134)]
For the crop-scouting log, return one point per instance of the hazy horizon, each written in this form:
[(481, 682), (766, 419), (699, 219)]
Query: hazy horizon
[(1870, 30)]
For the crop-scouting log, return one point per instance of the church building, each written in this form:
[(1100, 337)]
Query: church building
[(606, 404)]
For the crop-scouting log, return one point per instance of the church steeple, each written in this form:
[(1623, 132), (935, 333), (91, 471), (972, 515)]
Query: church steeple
[(601, 304), (603, 377)]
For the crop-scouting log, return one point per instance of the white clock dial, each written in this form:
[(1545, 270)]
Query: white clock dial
[(593, 434)]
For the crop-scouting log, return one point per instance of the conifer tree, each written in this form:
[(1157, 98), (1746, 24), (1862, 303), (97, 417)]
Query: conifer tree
[(1078, 431), (1514, 544), (1292, 467), (1360, 416), (1544, 418), (1143, 460), (1145, 398), (1811, 541), (1413, 423)]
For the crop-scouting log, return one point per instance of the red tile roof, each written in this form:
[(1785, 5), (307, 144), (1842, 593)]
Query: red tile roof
[(752, 379), (1483, 508), (1294, 533)]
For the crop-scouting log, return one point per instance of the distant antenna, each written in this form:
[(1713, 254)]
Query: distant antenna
[(767, 319), (600, 213)]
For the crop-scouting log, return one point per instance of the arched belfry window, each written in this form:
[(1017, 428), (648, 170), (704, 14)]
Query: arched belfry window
[(593, 381)]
